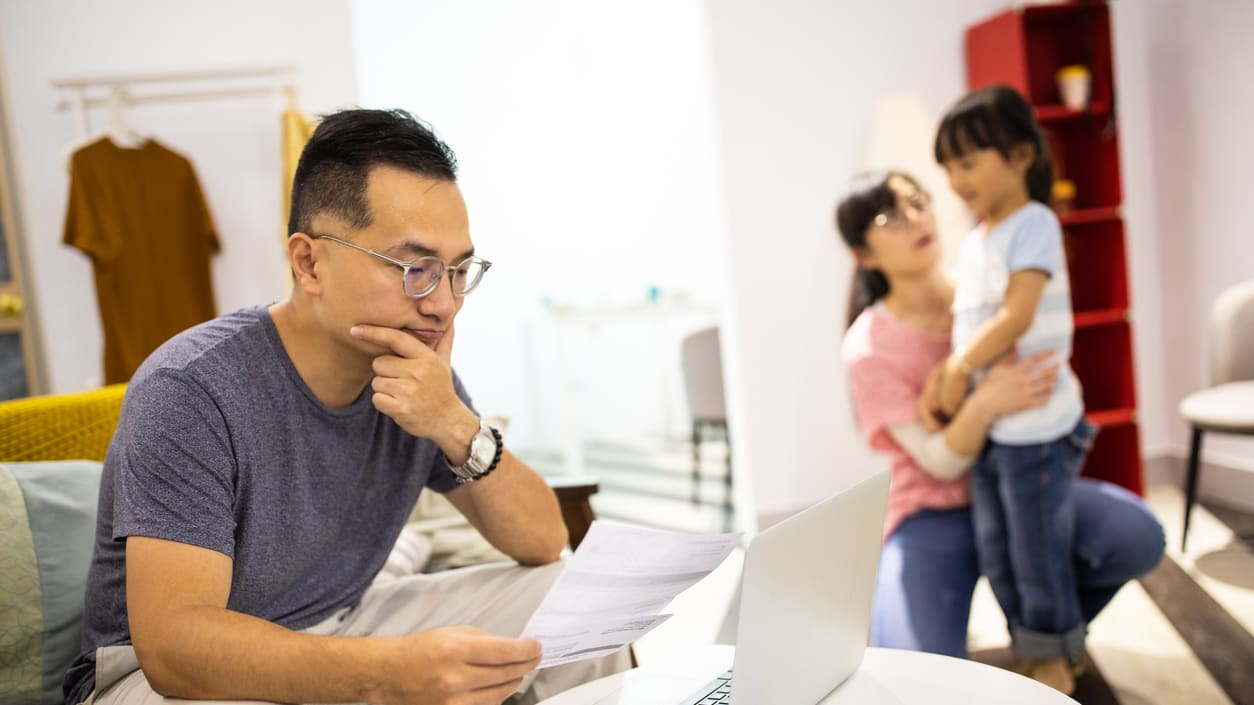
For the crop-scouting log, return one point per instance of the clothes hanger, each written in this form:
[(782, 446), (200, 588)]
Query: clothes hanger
[(119, 132)]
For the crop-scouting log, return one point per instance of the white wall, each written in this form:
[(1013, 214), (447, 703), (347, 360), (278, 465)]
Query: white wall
[(1142, 148), (797, 84), (586, 137), (1187, 104), (234, 144)]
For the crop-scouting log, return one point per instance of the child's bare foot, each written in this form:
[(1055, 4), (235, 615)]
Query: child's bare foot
[(1055, 673)]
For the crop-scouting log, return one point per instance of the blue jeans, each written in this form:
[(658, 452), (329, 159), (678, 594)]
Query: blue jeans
[(928, 568), (1024, 517)]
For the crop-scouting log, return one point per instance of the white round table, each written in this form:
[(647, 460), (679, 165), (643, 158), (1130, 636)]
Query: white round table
[(886, 676)]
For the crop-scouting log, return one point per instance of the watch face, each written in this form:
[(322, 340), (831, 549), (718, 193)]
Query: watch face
[(483, 447)]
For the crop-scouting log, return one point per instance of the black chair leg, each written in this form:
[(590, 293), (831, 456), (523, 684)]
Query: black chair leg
[(1190, 483), (696, 463)]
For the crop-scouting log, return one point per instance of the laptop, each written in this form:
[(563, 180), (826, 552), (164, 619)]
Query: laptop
[(805, 610)]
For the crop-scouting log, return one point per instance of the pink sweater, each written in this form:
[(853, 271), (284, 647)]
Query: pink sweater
[(888, 363)]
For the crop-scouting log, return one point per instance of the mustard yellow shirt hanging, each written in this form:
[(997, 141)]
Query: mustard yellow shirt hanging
[(297, 129), (141, 217)]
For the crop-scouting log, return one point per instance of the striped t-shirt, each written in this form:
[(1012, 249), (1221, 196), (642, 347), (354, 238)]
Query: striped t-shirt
[(1031, 238)]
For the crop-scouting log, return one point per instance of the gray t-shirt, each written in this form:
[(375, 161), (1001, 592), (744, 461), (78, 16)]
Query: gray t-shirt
[(221, 444)]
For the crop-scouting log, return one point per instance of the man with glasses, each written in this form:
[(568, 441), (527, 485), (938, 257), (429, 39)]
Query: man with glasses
[(266, 461)]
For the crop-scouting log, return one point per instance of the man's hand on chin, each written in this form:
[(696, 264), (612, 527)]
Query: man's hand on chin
[(413, 385)]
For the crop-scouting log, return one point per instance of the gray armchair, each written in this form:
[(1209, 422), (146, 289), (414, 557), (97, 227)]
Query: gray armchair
[(1227, 406)]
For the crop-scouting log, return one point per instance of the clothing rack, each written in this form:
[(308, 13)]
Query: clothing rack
[(257, 81)]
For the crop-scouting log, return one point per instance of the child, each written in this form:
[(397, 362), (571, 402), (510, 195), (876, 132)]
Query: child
[(1013, 294)]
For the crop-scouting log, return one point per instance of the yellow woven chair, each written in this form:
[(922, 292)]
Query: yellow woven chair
[(75, 426), (48, 500)]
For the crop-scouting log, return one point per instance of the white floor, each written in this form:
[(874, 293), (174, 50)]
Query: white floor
[(1138, 651)]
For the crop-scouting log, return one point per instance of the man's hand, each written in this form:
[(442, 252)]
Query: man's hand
[(455, 666), (414, 386), (514, 509)]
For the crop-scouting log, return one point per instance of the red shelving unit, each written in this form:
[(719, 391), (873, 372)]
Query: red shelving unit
[(1023, 47)]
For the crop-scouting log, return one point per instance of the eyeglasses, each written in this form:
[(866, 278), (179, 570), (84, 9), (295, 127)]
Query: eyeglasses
[(421, 276), (897, 218)]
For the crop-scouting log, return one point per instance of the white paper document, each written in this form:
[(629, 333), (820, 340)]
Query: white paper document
[(613, 589)]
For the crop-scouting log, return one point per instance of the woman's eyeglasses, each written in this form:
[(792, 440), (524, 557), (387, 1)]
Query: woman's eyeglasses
[(898, 218)]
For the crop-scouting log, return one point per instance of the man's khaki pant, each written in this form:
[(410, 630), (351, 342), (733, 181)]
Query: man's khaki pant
[(497, 598)]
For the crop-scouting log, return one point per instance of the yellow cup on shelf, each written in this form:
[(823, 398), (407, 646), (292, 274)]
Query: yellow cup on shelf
[(1074, 84)]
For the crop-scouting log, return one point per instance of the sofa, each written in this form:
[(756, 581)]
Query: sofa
[(51, 450)]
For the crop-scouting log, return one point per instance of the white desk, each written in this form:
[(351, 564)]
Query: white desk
[(887, 676)]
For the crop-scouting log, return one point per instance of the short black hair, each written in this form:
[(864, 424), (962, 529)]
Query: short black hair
[(335, 165)]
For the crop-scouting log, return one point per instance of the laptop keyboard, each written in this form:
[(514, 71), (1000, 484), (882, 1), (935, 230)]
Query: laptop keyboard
[(716, 692)]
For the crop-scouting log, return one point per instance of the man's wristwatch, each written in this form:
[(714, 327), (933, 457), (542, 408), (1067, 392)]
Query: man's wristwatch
[(485, 455)]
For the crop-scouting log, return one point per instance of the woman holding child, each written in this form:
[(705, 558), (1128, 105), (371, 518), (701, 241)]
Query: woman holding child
[(961, 383)]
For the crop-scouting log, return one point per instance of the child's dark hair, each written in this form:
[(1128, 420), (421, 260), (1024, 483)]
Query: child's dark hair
[(997, 117), (868, 196)]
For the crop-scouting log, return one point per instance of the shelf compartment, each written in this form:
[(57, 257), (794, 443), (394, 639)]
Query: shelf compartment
[(1091, 160), (1025, 48), (1102, 358), (1096, 256), (1061, 36)]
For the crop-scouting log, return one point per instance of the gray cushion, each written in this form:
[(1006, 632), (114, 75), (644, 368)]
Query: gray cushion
[(49, 517)]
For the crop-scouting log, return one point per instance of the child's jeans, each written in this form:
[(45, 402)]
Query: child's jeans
[(1024, 517)]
